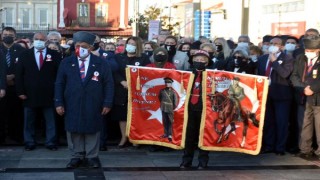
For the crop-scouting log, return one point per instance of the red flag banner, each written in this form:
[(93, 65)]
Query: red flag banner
[(234, 112), (157, 108)]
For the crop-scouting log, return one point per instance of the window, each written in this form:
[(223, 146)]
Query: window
[(9, 17), (83, 10), (25, 18), (43, 17), (101, 11)]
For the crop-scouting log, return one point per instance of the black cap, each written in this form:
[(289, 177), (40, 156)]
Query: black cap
[(236, 78), (168, 80)]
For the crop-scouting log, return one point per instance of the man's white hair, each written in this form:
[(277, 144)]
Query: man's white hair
[(54, 33)]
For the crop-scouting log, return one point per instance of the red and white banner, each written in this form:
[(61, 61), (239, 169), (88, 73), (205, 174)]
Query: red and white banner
[(234, 112), (145, 122), (232, 119)]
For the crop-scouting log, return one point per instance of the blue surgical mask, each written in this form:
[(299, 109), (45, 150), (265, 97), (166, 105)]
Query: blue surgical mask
[(130, 48), (290, 47), (273, 49), (38, 44), (243, 44)]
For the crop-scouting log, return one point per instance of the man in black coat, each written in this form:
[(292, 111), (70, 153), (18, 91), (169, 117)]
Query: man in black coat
[(35, 77), (278, 67), (11, 111), (200, 60), (306, 80)]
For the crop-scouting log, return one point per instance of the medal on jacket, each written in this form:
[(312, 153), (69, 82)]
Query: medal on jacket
[(49, 57), (95, 76), (314, 73), (137, 64)]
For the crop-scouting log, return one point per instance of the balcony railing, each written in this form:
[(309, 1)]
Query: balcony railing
[(23, 28)]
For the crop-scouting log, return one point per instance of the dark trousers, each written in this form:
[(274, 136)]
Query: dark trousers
[(29, 125), (104, 131), (192, 139), (275, 129), (11, 116), (167, 123)]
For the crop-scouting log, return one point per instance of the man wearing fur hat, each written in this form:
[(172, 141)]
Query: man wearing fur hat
[(83, 93), (200, 61), (306, 80)]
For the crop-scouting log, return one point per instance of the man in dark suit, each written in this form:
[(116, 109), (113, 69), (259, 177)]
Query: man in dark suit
[(35, 76), (278, 67), (11, 110), (306, 80), (84, 93)]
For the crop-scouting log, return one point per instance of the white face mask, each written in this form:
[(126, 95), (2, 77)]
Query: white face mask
[(38, 44), (311, 55), (83, 53), (130, 48), (290, 47), (265, 48), (243, 44), (273, 49), (254, 58)]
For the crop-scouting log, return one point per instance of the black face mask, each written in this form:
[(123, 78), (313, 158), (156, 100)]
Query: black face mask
[(96, 46), (148, 53), (238, 62), (199, 65), (219, 47), (171, 49), (160, 58), (110, 52), (8, 39), (211, 55)]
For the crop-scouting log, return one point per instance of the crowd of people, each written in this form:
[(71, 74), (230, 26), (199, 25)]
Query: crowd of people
[(77, 85)]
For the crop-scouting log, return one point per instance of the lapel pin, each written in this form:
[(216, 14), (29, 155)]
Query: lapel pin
[(73, 65)]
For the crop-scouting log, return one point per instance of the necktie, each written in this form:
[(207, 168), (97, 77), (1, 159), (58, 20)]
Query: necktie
[(196, 89), (8, 58), (40, 59), (82, 70), (268, 70), (310, 66)]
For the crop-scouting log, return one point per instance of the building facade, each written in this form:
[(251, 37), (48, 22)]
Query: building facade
[(231, 18), (28, 17), (102, 17)]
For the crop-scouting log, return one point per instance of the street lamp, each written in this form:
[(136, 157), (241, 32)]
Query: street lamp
[(2, 9)]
